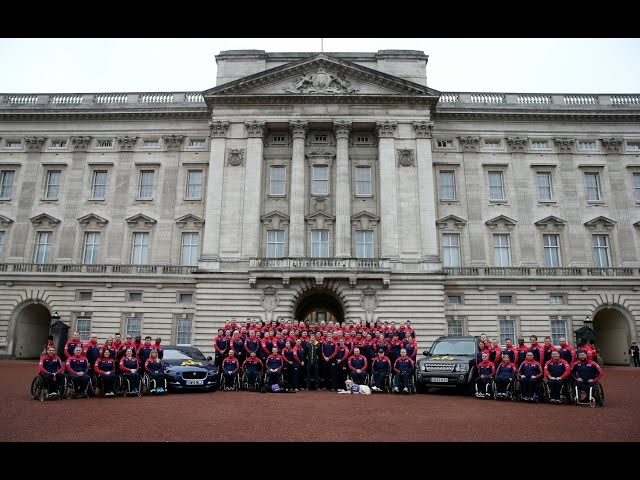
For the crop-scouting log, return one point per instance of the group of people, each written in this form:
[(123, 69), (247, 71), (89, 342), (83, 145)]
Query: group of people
[(315, 357), (530, 364), (84, 361)]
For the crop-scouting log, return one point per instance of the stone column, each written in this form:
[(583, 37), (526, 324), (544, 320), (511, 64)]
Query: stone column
[(476, 198), (167, 224), (388, 195), (427, 219), (525, 202), (252, 189), (117, 252), (210, 258), (299, 130), (343, 190)]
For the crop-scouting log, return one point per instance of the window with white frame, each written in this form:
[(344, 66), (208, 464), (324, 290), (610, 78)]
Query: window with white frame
[(320, 180), (501, 250), (145, 184), (43, 247), (275, 243), (277, 180), (505, 299), (636, 186), (364, 243), (447, 185), (83, 327), (363, 181), (363, 139), (151, 143), (545, 190), (492, 144), (104, 143), (558, 329), (99, 184), (184, 325), (592, 181), (197, 142), (444, 143), (133, 325), (633, 146), (85, 295), (185, 298), (194, 184), (496, 186), (140, 248), (189, 249), (53, 183), (451, 249), (278, 139), (6, 183), (539, 145), (91, 253), (556, 299), (601, 254), (507, 326), (319, 243), (551, 250), (2, 234), (14, 144), (587, 145), (134, 296), (455, 326), (454, 299), (320, 138)]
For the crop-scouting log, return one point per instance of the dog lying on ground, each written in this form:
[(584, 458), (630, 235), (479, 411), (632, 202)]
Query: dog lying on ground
[(354, 388), (282, 387)]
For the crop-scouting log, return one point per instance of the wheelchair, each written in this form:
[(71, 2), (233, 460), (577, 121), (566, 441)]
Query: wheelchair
[(595, 395), (236, 382), (412, 383), (509, 393), (245, 385), (387, 386), (123, 387), (70, 390), (489, 389), (566, 392), (40, 392), (265, 377), (98, 390), (540, 395), (147, 383)]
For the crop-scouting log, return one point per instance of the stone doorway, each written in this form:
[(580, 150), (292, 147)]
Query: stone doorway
[(319, 304)]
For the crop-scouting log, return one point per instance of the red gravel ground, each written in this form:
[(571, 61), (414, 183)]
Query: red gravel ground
[(441, 416)]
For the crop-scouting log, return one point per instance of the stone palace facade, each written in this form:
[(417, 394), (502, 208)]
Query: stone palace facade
[(320, 185)]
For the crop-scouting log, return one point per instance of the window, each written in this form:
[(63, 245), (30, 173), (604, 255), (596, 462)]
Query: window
[(601, 251), (320, 180), (43, 247), (593, 186), (1, 243), (145, 184), (454, 299), (133, 326), (197, 142), (556, 299), (278, 139), (455, 326), (451, 249), (445, 143), (447, 185), (551, 250), (558, 329), (507, 327), (185, 298), (636, 186), (545, 193), (277, 180), (320, 138), (501, 251), (85, 296), (103, 143), (275, 243), (91, 252), (14, 144), (321, 317), (319, 243), (633, 147), (134, 296), (505, 299), (492, 144), (539, 145), (586, 145), (363, 181), (362, 139), (364, 243), (140, 250), (99, 184), (58, 144), (496, 186), (150, 144), (6, 183), (189, 249), (83, 326), (53, 184), (194, 184), (183, 329)]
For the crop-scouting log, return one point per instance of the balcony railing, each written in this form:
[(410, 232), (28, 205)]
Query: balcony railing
[(99, 269), (99, 100), (537, 100), (541, 272), (320, 263)]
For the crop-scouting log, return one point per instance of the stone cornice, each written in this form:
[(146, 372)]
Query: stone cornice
[(298, 128), (517, 144), (423, 129), (256, 129), (538, 116), (386, 129), (218, 128), (469, 144), (52, 115), (612, 145), (342, 128)]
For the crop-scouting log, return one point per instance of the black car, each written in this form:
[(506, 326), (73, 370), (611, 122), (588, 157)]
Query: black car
[(188, 369)]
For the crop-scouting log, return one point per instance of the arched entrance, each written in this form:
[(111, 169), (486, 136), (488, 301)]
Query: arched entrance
[(32, 323), (318, 304), (612, 335)]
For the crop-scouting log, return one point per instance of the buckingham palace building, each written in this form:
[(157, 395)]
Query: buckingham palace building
[(320, 186)]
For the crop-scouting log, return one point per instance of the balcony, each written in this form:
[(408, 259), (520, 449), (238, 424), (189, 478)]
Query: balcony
[(97, 269), (540, 272), (324, 264)]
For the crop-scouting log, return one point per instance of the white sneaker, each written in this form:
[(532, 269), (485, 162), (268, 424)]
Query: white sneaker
[(375, 389), (405, 389), (487, 395), (396, 389)]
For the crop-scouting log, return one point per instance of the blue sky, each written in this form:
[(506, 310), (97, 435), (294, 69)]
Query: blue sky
[(580, 65)]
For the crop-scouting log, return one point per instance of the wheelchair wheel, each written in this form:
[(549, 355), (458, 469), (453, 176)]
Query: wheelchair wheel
[(600, 395), (145, 385), (69, 389), (37, 389)]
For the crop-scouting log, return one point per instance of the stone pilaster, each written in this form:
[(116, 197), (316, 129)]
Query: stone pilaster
[(117, 251), (388, 192), (299, 130), (477, 196), (343, 190), (528, 236), (253, 189), (427, 219)]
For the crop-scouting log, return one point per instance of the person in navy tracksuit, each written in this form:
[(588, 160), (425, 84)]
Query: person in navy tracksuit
[(358, 367), (70, 346), (510, 350), (230, 368), (556, 370), (51, 369), (505, 374), (105, 370), (530, 373), (91, 350), (299, 355), (342, 358), (585, 372), (486, 371), (329, 352), (287, 356), (252, 368), (220, 345), (380, 369), (154, 367), (143, 353), (274, 365), (521, 350), (403, 367), (129, 366), (78, 371)]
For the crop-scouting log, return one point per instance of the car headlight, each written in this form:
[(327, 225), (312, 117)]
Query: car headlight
[(211, 373), (171, 373), (462, 367)]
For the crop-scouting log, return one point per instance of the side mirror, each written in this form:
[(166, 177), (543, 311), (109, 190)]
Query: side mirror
[(426, 353), (209, 357)]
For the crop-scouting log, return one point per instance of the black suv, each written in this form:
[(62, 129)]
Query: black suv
[(450, 362)]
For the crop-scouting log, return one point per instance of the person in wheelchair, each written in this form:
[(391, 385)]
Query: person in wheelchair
[(530, 373), (357, 367), (486, 371), (403, 368), (129, 366), (51, 369), (556, 371), (274, 365), (230, 368), (105, 370), (586, 373), (78, 372), (380, 369), (154, 368), (252, 368), (505, 375)]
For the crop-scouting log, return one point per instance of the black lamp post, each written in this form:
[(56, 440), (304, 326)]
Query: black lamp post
[(54, 317), (588, 322)]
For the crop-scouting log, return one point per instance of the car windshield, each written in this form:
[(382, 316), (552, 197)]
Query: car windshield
[(193, 354), (454, 347)]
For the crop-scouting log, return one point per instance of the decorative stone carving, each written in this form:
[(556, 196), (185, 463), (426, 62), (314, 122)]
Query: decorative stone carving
[(320, 204), (127, 142), (172, 142), (551, 223), (218, 128), (235, 156), (612, 145), (353, 281), (44, 220), (80, 143), (423, 129), (321, 152), (564, 144), (406, 157), (386, 129), (369, 299), (256, 129), (5, 221), (190, 220), (501, 222), (140, 220), (451, 222), (269, 299), (92, 220), (469, 144), (34, 144), (600, 223), (517, 144), (299, 128), (342, 128), (321, 82)]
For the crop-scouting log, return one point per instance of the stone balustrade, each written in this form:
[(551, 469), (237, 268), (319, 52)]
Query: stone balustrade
[(98, 269), (320, 263), (97, 100), (540, 272), (451, 100)]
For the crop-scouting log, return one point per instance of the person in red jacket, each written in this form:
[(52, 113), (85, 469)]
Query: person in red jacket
[(358, 367), (495, 352), (252, 368), (71, 344), (129, 366), (78, 372), (105, 370), (530, 373), (486, 372), (154, 367), (51, 369), (547, 348), (556, 370)]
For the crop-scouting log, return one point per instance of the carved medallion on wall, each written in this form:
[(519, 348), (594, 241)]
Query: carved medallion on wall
[(235, 157), (320, 204), (269, 299), (369, 299), (406, 158)]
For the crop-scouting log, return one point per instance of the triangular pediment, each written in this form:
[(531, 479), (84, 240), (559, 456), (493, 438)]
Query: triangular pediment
[(274, 213), (501, 221), (637, 224), (600, 223), (140, 219), (320, 75), (451, 221), (189, 218), (319, 214), (44, 219), (92, 217), (5, 221), (551, 222), (364, 219), (275, 219)]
